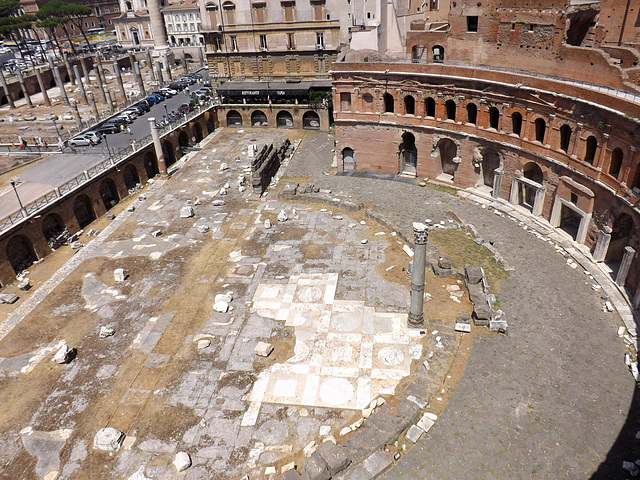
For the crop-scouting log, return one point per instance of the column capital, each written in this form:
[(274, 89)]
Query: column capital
[(420, 233)]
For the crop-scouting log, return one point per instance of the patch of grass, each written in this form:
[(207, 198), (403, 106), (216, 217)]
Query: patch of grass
[(462, 249), (442, 188)]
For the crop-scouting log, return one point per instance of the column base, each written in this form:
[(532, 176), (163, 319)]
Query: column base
[(416, 320)]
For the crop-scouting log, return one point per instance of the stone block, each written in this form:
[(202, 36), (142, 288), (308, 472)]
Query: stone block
[(479, 322), (356, 473), (8, 298), (120, 274), (221, 307), (388, 422), (362, 442), (292, 474), (24, 285), (182, 461), (106, 332), (204, 343), (414, 433), (64, 354), (203, 228), (474, 274), (223, 297), (409, 410), (377, 463), (315, 468), (263, 349), (482, 311), (441, 272), (186, 211), (427, 421), (108, 439), (444, 262), (282, 216), (476, 293), (218, 203), (156, 233), (334, 456), (290, 188), (463, 323)]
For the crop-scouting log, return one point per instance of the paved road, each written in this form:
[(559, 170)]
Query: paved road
[(549, 400)]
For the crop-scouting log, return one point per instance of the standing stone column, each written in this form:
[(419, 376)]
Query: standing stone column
[(497, 183), (184, 62), (167, 67), (162, 165), (625, 265), (159, 75), (100, 84), (150, 65), (602, 245), (76, 113), (24, 88), (110, 102), (116, 70), (43, 88), (6, 90), (136, 68), (76, 70), (420, 235), (85, 71), (636, 298), (158, 29), (63, 92), (94, 107), (69, 71), (201, 56)]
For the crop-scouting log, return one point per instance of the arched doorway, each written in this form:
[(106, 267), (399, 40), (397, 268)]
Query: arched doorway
[(311, 121), (621, 233), (258, 119), (540, 127), (430, 107), (83, 211), (409, 105), (151, 165), (109, 193), (130, 176), (449, 161), (565, 137), (516, 123), (408, 154), (284, 119), (183, 142), (494, 117), (472, 113), (20, 253), (348, 165), (527, 197), (590, 149), (388, 103), (616, 162), (450, 105), (234, 119), (53, 230), (490, 163), (198, 132), (211, 124), (169, 153), (438, 54), (4, 100)]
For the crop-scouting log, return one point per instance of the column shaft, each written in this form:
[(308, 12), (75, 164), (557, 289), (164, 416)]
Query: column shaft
[(6, 90), (625, 265), (162, 165), (420, 234), (24, 88), (43, 88), (116, 70), (76, 70)]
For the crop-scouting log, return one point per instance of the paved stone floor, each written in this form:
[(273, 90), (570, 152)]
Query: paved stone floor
[(549, 400)]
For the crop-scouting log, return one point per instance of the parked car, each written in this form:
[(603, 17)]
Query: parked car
[(169, 91), (154, 99), (206, 83), (131, 114), (188, 80), (177, 86), (184, 108), (94, 136), (199, 95), (126, 116), (82, 140), (145, 105), (116, 121), (137, 109), (106, 129), (194, 75)]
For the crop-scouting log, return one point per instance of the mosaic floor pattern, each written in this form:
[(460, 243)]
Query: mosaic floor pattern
[(345, 353)]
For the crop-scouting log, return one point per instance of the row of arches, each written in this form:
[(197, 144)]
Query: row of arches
[(588, 145), (283, 119), (32, 89)]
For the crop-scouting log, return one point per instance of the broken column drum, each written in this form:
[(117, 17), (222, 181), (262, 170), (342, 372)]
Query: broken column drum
[(420, 236)]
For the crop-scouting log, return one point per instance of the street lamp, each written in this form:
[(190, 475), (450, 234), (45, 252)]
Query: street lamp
[(53, 119), (107, 144), (22, 209)]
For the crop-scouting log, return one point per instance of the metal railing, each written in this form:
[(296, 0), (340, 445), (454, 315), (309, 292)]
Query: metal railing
[(85, 177)]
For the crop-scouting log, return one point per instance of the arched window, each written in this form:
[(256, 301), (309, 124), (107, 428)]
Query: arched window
[(430, 107), (516, 123), (494, 117), (409, 105), (229, 12), (212, 10), (616, 162), (388, 103), (565, 137), (590, 152), (472, 113), (541, 127), (367, 101), (438, 54), (451, 110)]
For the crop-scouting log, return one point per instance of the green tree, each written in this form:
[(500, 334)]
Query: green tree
[(61, 13)]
